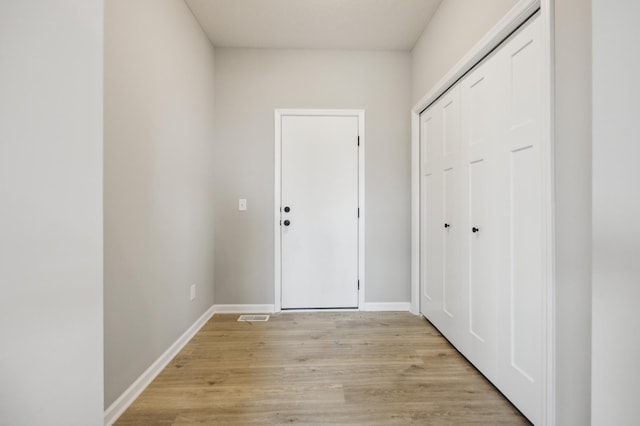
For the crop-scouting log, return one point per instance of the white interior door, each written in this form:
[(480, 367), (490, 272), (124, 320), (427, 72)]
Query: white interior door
[(319, 211)]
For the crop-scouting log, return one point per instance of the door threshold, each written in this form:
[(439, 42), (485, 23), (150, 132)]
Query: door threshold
[(294, 310)]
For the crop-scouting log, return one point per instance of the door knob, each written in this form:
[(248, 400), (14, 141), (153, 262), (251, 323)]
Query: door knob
[(287, 222), (446, 225), (287, 209), (474, 229)]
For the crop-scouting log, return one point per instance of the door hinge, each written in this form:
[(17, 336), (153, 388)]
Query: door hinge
[(358, 211), (358, 284), (358, 140)]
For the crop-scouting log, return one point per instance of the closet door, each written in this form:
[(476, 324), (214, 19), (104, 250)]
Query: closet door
[(431, 213), (486, 235), (521, 346), (442, 215), (484, 218)]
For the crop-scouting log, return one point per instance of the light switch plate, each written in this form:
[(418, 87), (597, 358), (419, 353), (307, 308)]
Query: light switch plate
[(242, 204)]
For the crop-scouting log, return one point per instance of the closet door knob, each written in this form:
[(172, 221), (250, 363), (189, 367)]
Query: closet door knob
[(446, 225), (474, 229), (287, 209), (287, 222)]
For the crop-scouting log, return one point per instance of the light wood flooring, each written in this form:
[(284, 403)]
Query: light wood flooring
[(347, 368)]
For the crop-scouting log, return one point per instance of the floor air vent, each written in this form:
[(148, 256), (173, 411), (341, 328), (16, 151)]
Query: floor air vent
[(253, 318)]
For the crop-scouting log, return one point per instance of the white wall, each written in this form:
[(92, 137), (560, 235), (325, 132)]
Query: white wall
[(453, 30), (250, 84), (616, 213), (573, 210), (159, 89), (51, 212)]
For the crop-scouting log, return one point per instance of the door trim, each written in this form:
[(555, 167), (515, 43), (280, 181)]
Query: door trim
[(277, 191)]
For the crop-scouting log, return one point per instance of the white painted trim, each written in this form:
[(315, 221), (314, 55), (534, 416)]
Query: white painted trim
[(243, 309), (547, 9), (415, 213), (297, 311), (388, 307), (277, 268), (512, 20), (277, 214), (120, 405)]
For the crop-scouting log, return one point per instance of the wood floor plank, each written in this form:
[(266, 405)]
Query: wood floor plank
[(346, 368)]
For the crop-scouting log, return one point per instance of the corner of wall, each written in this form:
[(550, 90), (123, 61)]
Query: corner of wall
[(158, 193)]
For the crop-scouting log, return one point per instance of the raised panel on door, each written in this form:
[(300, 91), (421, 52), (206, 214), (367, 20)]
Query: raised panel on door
[(526, 271), (522, 347), (431, 246), (449, 231), (451, 122), (488, 267), (481, 287), (483, 107), (521, 144)]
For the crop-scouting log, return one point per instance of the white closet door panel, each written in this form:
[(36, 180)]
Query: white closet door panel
[(430, 130), (451, 122), (479, 116), (443, 277), (524, 89), (480, 139), (522, 345), (451, 227), (431, 244), (488, 266), (452, 282), (431, 141), (521, 381), (524, 78), (431, 212), (482, 287), (526, 272)]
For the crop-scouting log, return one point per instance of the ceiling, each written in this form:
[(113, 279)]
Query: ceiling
[(314, 24)]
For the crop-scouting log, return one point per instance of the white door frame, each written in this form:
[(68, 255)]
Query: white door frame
[(277, 190), (520, 12)]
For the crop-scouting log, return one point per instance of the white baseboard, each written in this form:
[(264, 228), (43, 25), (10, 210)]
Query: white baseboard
[(262, 309), (388, 306), (243, 309), (120, 405)]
